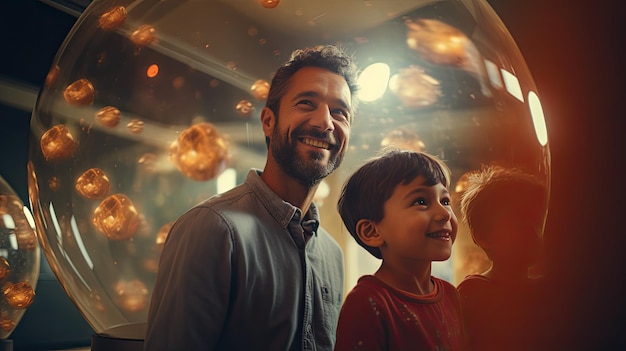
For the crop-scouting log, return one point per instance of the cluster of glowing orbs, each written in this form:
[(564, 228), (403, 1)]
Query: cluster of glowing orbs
[(113, 18), (144, 35), (116, 217), (57, 143), (79, 93), (200, 152), (269, 4), (108, 116), (93, 184), (244, 108), (260, 89), (414, 87)]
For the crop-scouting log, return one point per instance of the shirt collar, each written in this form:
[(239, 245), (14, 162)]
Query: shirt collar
[(281, 210)]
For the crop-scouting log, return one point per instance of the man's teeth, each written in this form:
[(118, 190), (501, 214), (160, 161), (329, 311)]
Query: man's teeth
[(316, 143)]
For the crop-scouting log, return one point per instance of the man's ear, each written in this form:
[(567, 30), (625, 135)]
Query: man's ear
[(268, 120), (368, 233)]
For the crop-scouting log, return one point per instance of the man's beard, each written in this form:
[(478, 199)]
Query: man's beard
[(304, 170)]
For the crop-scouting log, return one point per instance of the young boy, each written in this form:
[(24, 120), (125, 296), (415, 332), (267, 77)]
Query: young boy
[(505, 211), (397, 207)]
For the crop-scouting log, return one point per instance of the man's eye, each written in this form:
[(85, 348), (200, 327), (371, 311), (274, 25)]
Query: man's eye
[(341, 113), (305, 102)]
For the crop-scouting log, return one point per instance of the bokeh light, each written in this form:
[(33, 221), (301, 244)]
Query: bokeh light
[(119, 152)]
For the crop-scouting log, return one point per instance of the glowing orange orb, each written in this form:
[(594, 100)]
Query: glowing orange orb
[(244, 108), (415, 88), (108, 116), (144, 35), (152, 71), (57, 143), (200, 152), (19, 295), (54, 183), (116, 217), (113, 18), (438, 42), (4, 268), (131, 295), (260, 89), (79, 93), (93, 184), (7, 324), (135, 126)]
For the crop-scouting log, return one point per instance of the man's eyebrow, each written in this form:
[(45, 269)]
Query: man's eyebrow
[(312, 93)]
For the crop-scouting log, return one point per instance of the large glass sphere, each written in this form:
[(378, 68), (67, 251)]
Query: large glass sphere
[(19, 260), (151, 106)]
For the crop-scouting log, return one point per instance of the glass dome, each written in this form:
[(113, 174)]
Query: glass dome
[(19, 260), (151, 106)]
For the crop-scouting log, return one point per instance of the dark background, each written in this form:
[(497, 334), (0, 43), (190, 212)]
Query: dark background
[(573, 50)]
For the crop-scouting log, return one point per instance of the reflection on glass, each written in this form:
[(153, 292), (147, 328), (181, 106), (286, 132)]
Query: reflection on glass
[(164, 140)]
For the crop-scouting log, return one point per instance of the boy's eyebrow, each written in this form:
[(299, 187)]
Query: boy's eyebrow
[(414, 191), (421, 189)]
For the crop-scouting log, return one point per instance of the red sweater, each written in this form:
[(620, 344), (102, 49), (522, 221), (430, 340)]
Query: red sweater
[(376, 316)]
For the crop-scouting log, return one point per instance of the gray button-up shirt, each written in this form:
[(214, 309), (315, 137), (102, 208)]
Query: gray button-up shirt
[(240, 272)]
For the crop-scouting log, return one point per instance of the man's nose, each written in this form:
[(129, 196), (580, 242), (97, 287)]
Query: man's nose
[(322, 119)]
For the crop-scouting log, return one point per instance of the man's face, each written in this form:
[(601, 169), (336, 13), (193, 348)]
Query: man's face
[(312, 129)]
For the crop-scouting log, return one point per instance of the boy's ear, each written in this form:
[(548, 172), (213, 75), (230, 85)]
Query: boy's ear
[(368, 233), (268, 120)]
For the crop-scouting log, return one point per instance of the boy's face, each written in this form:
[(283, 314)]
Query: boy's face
[(418, 223)]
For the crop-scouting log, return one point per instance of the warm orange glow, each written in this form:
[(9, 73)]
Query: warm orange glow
[(152, 71)]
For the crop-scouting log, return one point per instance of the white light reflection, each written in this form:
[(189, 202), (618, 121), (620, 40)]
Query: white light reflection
[(494, 74), (79, 242), (57, 227), (227, 180), (539, 121), (512, 85), (29, 217), (68, 260), (8, 221), (373, 81)]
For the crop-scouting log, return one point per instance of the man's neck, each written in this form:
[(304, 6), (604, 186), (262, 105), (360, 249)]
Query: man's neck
[(288, 188)]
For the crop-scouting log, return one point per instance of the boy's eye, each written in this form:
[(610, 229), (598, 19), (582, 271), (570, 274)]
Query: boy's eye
[(420, 201)]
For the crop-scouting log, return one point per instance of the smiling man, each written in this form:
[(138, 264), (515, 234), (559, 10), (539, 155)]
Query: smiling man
[(251, 269)]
